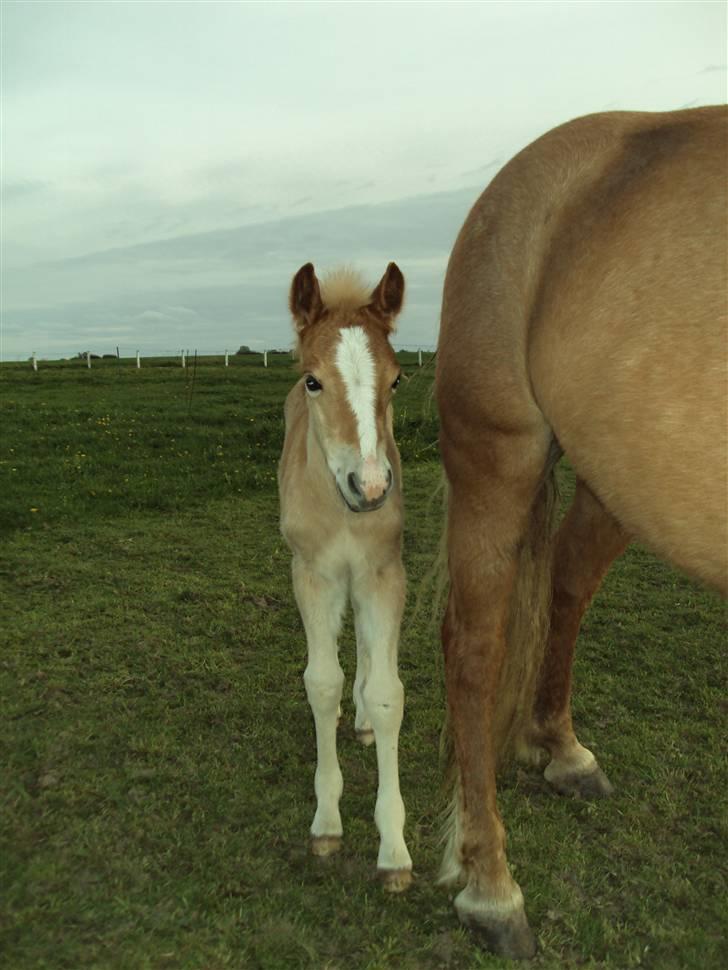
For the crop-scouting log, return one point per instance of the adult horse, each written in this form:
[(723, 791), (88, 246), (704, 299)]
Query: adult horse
[(584, 313)]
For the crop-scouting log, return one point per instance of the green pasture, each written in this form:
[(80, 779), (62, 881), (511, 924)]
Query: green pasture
[(157, 751)]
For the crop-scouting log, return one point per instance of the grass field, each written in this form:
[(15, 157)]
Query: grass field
[(158, 751)]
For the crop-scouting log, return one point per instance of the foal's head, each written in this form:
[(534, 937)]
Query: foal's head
[(350, 374)]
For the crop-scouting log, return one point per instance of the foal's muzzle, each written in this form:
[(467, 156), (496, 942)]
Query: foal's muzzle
[(360, 501)]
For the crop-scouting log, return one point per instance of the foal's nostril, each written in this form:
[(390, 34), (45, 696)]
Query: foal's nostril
[(353, 484), (389, 479)]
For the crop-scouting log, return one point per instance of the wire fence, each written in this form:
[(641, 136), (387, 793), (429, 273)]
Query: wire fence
[(184, 357)]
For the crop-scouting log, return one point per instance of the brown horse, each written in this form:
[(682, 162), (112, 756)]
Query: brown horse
[(584, 313)]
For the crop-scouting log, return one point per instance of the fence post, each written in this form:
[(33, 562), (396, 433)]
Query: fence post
[(139, 363), (419, 358), (265, 358), (227, 364), (88, 359), (35, 362), (184, 363)]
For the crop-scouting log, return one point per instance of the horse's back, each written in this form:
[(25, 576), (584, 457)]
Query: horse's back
[(590, 283)]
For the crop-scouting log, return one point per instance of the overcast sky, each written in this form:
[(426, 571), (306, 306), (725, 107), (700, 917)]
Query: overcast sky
[(167, 166)]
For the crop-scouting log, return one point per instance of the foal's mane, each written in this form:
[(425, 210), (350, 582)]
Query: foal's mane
[(344, 289)]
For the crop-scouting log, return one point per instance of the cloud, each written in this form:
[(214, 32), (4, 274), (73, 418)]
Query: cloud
[(22, 188), (153, 315), (174, 185), (181, 311), (482, 169), (167, 314), (222, 287)]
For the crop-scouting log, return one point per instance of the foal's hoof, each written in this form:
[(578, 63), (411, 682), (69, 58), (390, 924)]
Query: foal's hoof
[(590, 786), (325, 845), (506, 936), (365, 736), (395, 880)]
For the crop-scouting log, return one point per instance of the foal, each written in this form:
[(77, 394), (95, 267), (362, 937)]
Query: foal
[(341, 514)]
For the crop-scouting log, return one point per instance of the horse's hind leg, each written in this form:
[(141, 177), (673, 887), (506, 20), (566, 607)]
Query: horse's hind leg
[(586, 544), (321, 605), (378, 598), (494, 484)]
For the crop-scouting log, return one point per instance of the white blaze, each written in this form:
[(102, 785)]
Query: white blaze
[(356, 364)]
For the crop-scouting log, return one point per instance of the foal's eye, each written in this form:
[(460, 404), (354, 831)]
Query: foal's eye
[(396, 383), (312, 384)]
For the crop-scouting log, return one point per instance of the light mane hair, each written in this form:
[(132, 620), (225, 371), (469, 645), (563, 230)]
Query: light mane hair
[(345, 289)]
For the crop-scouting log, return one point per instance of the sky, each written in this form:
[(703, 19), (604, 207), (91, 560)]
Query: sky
[(168, 166)]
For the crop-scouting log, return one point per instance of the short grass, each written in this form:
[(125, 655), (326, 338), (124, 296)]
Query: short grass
[(158, 751)]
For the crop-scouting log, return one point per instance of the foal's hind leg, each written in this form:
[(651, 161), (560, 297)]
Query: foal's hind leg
[(378, 603), (321, 604), (586, 544)]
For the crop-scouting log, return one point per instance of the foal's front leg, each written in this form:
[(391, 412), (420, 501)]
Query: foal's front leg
[(321, 604), (362, 725), (378, 603)]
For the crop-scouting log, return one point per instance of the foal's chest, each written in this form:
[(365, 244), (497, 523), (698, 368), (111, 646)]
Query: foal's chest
[(350, 550)]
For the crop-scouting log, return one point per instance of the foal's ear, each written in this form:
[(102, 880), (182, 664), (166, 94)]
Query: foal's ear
[(388, 295), (304, 299)]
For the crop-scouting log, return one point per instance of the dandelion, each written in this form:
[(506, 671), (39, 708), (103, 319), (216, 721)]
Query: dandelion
[(34, 510)]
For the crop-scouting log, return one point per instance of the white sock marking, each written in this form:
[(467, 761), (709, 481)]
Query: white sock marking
[(356, 364)]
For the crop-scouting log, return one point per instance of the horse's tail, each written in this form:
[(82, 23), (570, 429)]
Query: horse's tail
[(526, 639), (528, 626)]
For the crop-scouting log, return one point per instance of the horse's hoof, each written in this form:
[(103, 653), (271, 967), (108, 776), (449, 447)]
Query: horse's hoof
[(506, 936), (512, 939), (325, 845), (395, 880), (590, 786), (365, 737), (499, 923)]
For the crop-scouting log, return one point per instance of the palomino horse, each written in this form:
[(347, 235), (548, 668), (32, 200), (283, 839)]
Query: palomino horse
[(341, 514), (584, 313)]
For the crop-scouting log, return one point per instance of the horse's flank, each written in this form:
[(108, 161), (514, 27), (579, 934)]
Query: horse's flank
[(597, 258), (646, 422)]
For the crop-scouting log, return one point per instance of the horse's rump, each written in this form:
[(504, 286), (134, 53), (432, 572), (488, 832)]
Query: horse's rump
[(590, 285)]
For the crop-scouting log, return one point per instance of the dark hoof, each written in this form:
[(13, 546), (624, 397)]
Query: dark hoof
[(590, 786), (395, 880), (325, 845), (510, 937)]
